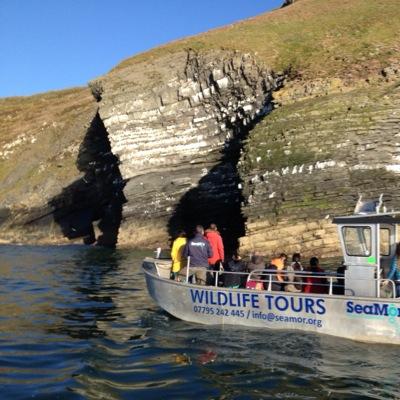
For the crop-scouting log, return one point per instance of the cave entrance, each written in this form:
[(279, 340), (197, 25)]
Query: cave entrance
[(218, 196), (97, 196)]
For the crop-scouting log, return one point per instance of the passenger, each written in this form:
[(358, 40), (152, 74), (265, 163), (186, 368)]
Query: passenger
[(293, 275), (199, 250), (338, 288), (217, 246), (178, 260), (394, 272), (256, 264), (316, 284), (272, 273), (279, 263), (234, 265)]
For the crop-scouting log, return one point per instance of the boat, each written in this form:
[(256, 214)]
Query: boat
[(366, 310)]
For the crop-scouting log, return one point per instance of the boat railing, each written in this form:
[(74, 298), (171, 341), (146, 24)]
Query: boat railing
[(271, 277), (298, 278)]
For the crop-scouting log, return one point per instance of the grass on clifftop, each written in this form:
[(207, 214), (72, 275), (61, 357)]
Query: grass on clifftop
[(311, 38)]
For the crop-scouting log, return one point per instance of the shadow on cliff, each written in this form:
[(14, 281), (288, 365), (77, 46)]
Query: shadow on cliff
[(218, 196), (97, 196)]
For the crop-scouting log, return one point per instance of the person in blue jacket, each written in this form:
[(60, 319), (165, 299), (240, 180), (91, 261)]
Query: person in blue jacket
[(394, 272), (199, 250)]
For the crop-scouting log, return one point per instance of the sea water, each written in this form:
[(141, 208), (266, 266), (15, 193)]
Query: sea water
[(76, 323)]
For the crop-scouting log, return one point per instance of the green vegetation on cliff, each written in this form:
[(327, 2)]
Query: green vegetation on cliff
[(311, 38)]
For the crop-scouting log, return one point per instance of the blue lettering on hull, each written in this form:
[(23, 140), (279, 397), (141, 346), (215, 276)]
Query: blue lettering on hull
[(307, 305), (377, 309)]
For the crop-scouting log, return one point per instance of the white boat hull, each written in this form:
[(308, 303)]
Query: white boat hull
[(357, 318)]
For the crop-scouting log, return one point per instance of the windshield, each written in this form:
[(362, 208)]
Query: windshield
[(357, 240)]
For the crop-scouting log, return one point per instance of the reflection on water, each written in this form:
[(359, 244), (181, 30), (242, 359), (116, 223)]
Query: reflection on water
[(76, 323)]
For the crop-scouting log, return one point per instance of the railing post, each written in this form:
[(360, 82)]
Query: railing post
[(187, 269), (330, 285), (216, 278), (270, 283)]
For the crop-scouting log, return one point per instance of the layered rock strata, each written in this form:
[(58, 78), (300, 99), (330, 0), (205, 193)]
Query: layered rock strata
[(162, 149), (176, 127), (309, 160)]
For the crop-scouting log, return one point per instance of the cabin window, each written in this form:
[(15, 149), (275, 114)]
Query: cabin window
[(384, 234), (357, 240)]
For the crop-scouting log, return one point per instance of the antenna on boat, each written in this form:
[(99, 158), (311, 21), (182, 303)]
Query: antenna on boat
[(368, 206), (379, 204)]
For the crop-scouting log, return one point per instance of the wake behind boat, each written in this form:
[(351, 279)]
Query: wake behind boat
[(366, 311)]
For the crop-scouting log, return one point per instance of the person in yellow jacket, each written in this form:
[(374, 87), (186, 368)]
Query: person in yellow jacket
[(178, 261)]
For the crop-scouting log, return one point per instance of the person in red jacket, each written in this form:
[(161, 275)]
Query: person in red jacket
[(217, 246), (317, 283)]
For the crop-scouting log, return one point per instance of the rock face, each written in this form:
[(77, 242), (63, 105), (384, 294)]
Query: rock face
[(309, 160), (66, 176), (40, 137), (178, 135), (195, 133)]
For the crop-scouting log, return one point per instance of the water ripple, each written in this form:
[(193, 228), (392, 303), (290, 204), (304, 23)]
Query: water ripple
[(77, 323)]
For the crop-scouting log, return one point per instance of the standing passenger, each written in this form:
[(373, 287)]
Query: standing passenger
[(199, 250), (217, 246), (394, 273), (178, 260)]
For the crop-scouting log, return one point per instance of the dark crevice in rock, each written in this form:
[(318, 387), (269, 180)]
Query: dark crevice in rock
[(97, 196), (218, 196)]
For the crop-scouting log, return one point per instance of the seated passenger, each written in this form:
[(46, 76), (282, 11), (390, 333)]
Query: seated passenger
[(279, 263), (256, 264), (338, 288), (292, 269), (236, 264), (316, 284), (271, 273)]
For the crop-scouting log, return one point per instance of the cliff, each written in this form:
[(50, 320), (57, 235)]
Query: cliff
[(267, 127)]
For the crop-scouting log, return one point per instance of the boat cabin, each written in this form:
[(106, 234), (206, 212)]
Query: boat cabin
[(368, 241)]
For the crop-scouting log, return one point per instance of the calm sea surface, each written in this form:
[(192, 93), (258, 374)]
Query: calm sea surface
[(77, 323)]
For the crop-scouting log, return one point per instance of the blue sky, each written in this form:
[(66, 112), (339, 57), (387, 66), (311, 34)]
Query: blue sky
[(55, 44)]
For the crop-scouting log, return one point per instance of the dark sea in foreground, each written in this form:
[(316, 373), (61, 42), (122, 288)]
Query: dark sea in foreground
[(77, 323)]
